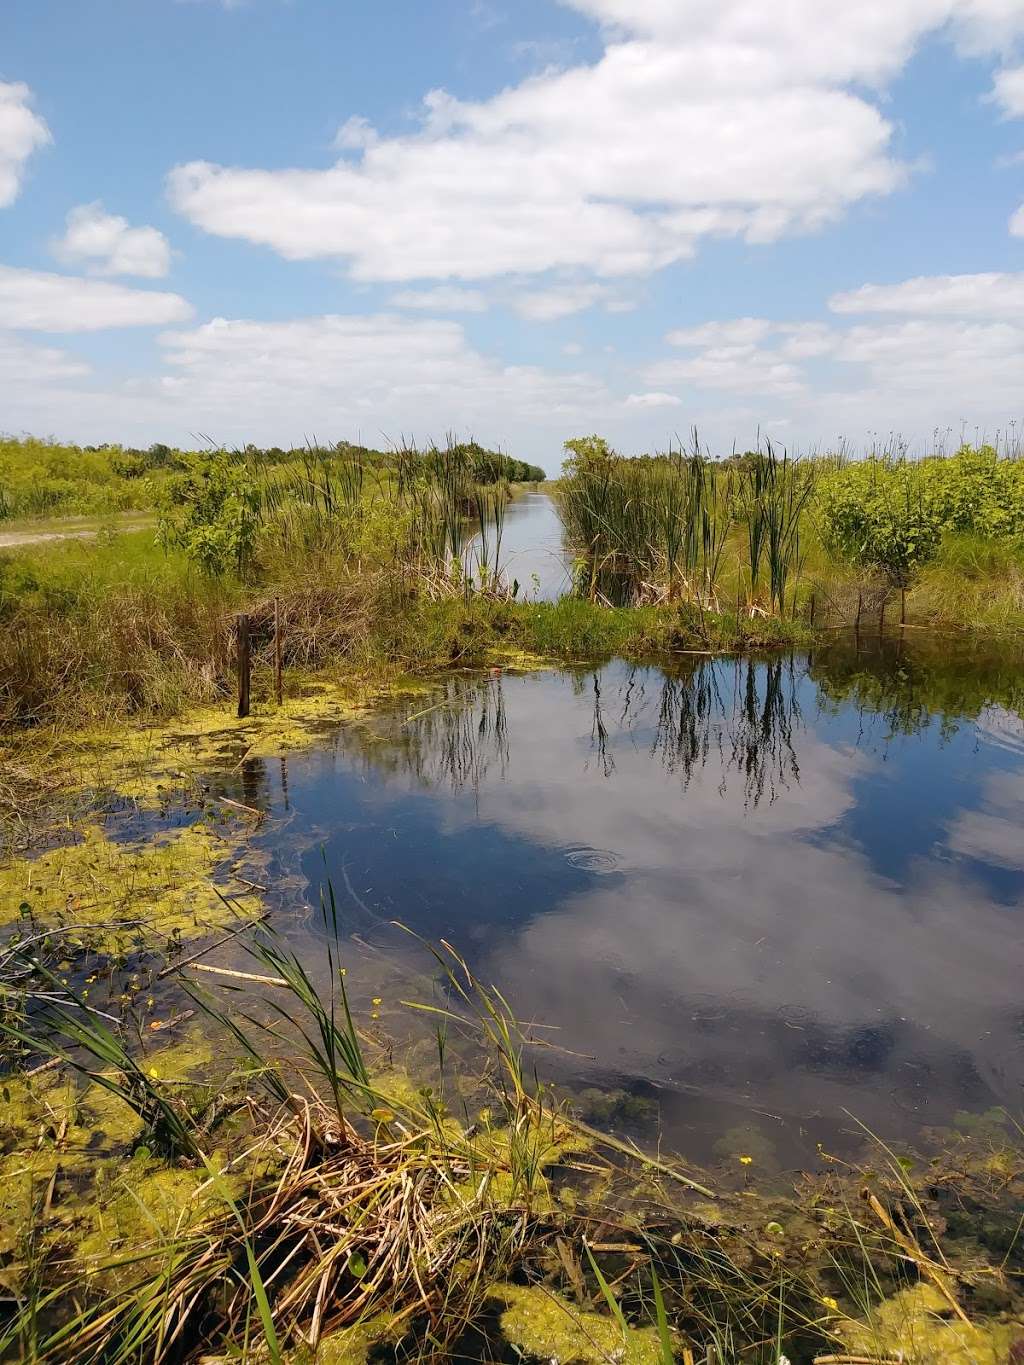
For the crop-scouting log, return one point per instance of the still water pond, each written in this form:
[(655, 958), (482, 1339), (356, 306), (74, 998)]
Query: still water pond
[(771, 896)]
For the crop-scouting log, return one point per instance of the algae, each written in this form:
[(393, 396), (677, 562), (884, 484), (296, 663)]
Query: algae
[(351, 1345), (64, 1177), (545, 1326), (917, 1327), (140, 1208), (162, 888), (149, 763)]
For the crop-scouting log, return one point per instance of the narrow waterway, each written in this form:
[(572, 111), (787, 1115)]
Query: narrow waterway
[(532, 552)]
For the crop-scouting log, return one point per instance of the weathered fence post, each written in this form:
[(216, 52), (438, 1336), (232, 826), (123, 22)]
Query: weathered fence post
[(243, 661), (278, 678)]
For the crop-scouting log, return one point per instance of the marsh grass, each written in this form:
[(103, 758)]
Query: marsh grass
[(326, 1199), (660, 529)]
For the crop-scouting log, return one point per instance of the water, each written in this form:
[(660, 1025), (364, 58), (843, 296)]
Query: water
[(532, 551), (767, 898)]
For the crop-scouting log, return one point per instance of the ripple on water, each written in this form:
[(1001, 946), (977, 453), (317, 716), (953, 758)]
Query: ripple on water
[(597, 860)]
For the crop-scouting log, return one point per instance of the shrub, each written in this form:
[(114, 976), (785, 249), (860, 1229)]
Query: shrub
[(212, 512), (874, 514)]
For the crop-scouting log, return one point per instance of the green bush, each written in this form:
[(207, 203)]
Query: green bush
[(212, 512), (873, 513), (892, 514)]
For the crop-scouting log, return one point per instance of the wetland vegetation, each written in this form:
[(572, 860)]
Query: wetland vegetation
[(595, 1100)]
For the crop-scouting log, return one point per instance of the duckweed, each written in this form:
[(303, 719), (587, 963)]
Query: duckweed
[(917, 1327), (545, 1326), (165, 885)]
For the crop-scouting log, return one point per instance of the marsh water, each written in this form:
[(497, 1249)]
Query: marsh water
[(767, 900), (532, 552)]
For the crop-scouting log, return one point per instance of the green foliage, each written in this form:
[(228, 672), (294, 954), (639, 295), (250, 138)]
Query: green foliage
[(975, 491), (47, 478), (874, 514), (212, 512), (891, 514)]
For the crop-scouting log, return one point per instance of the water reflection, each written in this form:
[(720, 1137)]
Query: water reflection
[(786, 887)]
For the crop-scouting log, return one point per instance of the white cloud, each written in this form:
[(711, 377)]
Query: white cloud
[(377, 369), (107, 244), (977, 362), (562, 301), (616, 168), (1017, 223), (958, 354), (1008, 91), (446, 298), (22, 132), (37, 301), (379, 377), (985, 295), (742, 369), (738, 332), (23, 363), (713, 117), (653, 400), (867, 41)]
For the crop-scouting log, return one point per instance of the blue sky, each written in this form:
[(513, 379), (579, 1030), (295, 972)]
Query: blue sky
[(276, 219)]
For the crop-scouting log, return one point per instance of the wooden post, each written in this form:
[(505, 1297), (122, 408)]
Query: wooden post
[(278, 678), (243, 661)]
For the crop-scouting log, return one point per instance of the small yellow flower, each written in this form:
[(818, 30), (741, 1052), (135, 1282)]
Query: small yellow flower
[(746, 1160), (154, 1073), (374, 1015), (830, 1302), (376, 1001)]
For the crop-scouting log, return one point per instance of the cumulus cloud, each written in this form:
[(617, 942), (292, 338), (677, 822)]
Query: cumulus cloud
[(37, 301), (446, 298), (383, 368), (1008, 91), (738, 332), (107, 244), (24, 364), (869, 41), (562, 301), (699, 119), (955, 350), (653, 400), (22, 132), (992, 294)]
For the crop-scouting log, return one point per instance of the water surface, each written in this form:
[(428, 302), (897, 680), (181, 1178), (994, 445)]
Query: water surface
[(532, 549), (767, 896)]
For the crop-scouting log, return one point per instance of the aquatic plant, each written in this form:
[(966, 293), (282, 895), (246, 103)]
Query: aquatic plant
[(353, 1208)]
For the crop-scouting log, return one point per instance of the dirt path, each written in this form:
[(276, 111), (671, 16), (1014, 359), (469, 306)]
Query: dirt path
[(11, 540)]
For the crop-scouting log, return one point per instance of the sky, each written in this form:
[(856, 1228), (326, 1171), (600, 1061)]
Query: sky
[(287, 220)]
